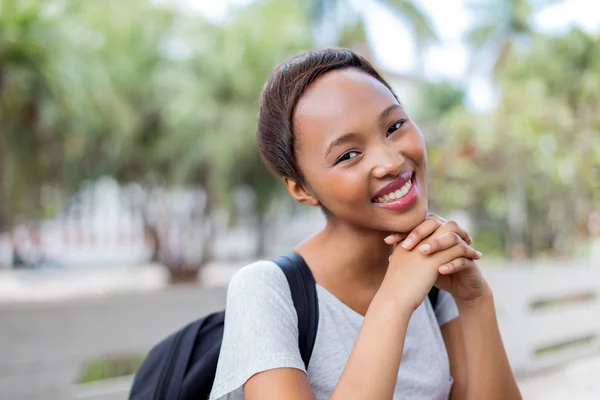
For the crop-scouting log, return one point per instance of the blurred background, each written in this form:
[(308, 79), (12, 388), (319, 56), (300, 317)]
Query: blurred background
[(131, 189)]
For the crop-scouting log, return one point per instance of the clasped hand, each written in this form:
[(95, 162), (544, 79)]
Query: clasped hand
[(437, 252)]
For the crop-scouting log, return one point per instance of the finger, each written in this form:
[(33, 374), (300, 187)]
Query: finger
[(456, 265), (437, 217), (422, 231), (394, 238), (439, 243), (452, 226), (450, 241), (463, 250)]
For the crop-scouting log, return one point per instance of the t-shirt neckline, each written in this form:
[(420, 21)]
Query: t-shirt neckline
[(345, 306)]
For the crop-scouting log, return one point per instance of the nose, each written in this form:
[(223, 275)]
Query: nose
[(387, 161)]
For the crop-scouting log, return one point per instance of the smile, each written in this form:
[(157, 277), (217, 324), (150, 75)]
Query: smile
[(395, 195), (399, 194)]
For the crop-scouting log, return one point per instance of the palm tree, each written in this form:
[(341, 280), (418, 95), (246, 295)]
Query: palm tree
[(349, 28), (502, 26), (31, 82), (78, 96), (245, 54)]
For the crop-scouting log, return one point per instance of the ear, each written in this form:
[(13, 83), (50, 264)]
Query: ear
[(299, 193)]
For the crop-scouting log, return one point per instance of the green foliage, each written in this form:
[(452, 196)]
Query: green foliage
[(110, 367), (502, 26), (528, 170), (439, 99), (135, 90), (350, 26), (143, 92), (231, 75)]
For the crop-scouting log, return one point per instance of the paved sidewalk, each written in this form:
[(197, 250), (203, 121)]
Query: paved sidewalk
[(579, 380), (76, 283)]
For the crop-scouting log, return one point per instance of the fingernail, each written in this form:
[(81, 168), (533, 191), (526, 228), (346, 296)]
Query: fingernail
[(425, 248), (388, 239), (445, 268), (406, 243), (479, 253)]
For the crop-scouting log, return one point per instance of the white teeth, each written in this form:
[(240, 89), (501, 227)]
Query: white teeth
[(399, 193)]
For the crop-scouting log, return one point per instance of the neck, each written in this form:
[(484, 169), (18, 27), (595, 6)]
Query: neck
[(348, 253)]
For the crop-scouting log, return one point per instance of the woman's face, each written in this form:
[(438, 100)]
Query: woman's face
[(362, 157)]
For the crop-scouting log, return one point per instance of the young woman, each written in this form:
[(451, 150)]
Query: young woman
[(335, 132)]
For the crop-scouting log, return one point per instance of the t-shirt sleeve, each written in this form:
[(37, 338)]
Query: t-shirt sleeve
[(261, 329), (445, 309)]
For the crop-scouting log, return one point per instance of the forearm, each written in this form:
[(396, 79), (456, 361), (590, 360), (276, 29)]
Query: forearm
[(372, 368), (489, 375)]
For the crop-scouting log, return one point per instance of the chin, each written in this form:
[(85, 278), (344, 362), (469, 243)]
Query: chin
[(408, 220), (378, 219)]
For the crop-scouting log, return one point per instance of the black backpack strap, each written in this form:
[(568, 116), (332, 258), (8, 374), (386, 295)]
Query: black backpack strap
[(304, 295), (433, 296)]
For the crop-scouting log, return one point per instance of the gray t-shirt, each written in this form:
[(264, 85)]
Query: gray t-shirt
[(261, 333)]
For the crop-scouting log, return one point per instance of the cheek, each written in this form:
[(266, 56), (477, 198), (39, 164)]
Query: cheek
[(338, 186), (343, 186), (414, 147)]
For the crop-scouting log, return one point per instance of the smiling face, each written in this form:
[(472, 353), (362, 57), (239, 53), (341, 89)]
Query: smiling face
[(362, 157)]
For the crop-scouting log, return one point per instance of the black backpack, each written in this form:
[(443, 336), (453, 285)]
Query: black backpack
[(183, 366)]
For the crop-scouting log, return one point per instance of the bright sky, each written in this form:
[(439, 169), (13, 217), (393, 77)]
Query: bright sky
[(395, 50)]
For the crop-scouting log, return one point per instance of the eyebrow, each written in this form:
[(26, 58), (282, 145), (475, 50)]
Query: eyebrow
[(385, 113), (350, 136), (341, 140)]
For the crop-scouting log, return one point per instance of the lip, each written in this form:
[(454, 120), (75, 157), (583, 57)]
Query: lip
[(406, 201), (395, 184)]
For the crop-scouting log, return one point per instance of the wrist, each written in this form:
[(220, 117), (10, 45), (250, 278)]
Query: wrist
[(399, 304), (486, 298)]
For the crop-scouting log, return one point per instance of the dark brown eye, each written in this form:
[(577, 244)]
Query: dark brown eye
[(347, 156), (395, 126)]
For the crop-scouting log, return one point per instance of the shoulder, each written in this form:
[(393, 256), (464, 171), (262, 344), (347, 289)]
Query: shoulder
[(262, 274), (260, 288), (261, 328)]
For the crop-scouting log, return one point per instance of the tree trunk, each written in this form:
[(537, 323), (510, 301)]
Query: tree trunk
[(261, 248), (5, 221), (517, 216), (208, 232)]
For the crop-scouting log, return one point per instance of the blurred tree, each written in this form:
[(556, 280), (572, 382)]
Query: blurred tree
[(130, 41), (141, 92), (567, 130), (502, 25), (539, 148), (503, 31), (339, 22), (246, 53), (39, 85), (438, 99), (204, 125), (137, 91), (76, 79)]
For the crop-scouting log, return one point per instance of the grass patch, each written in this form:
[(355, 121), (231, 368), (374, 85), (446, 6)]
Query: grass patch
[(582, 341), (563, 300), (110, 367)]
